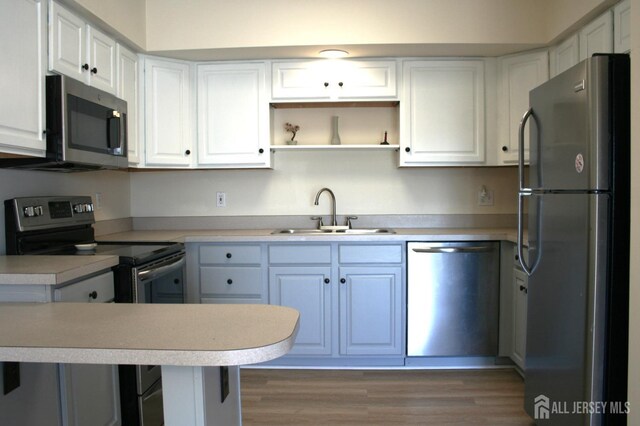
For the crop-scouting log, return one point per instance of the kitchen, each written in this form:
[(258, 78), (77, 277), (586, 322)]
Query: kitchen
[(365, 184)]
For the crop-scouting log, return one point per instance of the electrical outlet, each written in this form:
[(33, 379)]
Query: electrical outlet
[(221, 199), (485, 197), (98, 200)]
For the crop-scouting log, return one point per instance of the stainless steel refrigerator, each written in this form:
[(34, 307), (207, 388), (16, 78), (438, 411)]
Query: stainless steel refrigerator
[(576, 190)]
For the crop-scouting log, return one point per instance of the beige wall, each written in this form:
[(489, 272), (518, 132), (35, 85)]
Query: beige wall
[(564, 16), (127, 17), (364, 183), (634, 319), (204, 24)]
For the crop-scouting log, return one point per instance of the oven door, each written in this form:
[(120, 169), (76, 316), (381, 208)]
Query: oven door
[(158, 282)]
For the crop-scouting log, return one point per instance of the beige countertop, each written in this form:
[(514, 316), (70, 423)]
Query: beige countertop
[(110, 333), (265, 235), (51, 270)]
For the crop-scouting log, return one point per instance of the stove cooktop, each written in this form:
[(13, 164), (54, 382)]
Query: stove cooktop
[(129, 253)]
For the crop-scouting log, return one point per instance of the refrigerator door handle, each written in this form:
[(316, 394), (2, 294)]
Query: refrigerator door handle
[(520, 243), (523, 122)]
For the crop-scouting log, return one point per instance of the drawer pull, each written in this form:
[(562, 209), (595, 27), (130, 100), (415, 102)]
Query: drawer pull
[(229, 255), (229, 281), (93, 295)]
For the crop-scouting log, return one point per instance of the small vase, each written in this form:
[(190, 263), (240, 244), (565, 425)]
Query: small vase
[(291, 142), (335, 137)]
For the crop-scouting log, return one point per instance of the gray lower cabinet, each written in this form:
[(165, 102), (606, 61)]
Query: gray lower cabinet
[(63, 394), (520, 289), (370, 310), (90, 393), (309, 290), (350, 297)]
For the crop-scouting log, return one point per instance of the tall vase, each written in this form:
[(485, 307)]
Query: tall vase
[(335, 137)]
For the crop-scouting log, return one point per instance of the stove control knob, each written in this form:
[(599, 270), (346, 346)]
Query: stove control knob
[(77, 208), (29, 211), (85, 208), (90, 207), (38, 210)]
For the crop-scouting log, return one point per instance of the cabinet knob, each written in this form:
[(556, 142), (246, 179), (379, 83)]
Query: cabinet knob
[(505, 149), (94, 70), (407, 149), (342, 280), (326, 84), (327, 280), (176, 281), (340, 84), (261, 151), (229, 256), (517, 257), (523, 288), (85, 67), (229, 281), (187, 152), (93, 295)]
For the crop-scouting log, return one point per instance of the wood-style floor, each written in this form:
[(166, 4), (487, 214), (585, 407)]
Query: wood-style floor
[(383, 397)]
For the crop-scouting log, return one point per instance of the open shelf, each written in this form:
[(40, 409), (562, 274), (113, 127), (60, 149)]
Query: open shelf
[(350, 104), (334, 147)]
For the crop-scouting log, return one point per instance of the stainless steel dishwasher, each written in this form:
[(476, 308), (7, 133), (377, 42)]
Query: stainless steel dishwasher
[(453, 291)]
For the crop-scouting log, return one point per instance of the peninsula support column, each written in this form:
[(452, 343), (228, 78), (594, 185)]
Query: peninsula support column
[(194, 396)]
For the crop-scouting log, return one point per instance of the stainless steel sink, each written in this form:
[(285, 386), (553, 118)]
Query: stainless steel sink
[(363, 231)]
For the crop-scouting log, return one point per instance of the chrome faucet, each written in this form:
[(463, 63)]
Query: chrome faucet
[(334, 221)]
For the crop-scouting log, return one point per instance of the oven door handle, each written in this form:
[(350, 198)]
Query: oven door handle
[(161, 269)]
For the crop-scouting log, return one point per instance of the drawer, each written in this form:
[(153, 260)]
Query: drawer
[(370, 253), (299, 254), (230, 254), (83, 291), (231, 281)]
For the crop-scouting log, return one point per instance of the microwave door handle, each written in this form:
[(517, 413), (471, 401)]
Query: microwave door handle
[(114, 132)]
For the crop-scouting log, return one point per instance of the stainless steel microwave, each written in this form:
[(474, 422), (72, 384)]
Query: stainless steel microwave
[(86, 129)]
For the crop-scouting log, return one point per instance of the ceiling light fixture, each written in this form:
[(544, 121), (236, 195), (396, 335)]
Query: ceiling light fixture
[(333, 53)]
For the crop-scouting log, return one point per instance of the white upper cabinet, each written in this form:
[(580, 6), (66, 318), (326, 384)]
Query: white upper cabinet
[(597, 36), (22, 114), (333, 80), (233, 115), (564, 55), (518, 74), (169, 117), (622, 27), (442, 113), (80, 51), (129, 90)]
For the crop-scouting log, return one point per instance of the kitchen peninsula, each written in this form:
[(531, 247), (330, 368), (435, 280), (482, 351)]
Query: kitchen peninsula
[(187, 340)]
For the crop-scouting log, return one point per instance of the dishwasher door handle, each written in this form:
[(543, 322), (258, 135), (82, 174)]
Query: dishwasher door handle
[(476, 249)]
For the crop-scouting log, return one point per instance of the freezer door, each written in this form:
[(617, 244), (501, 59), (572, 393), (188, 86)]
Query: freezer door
[(570, 137), (566, 303)]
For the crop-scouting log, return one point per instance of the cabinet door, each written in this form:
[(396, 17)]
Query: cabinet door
[(370, 311), (597, 37), (22, 116), (519, 318), (90, 394), (67, 43), (442, 113), (233, 115), (622, 27), (168, 113), (101, 54), (307, 289), (129, 90), (564, 55), (518, 74), (301, 80), (365, 79)]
